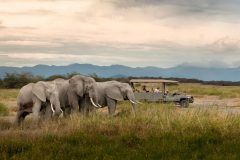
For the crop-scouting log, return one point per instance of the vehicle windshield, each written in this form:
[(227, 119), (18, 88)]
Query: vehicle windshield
[(153, 87), (147, 88)]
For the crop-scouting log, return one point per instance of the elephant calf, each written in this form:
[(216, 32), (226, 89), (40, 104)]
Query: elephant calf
[(109, 93)]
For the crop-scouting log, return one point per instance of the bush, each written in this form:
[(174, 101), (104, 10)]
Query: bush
[(53, 77), (66, 76), (17, 80), (3, 110), (1, 83)]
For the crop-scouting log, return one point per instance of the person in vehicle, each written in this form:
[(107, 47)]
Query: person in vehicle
[(152, 90), (167, 92), (144, 89), (157, 90)]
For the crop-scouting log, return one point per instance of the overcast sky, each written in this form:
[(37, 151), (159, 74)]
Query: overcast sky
[(161, 33)]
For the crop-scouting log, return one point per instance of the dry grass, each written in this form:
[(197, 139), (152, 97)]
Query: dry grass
[(8, 98), (223, 92), (162, 129)]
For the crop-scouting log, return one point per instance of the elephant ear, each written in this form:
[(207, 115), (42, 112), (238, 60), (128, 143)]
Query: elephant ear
[(39, 91), (114, 93)]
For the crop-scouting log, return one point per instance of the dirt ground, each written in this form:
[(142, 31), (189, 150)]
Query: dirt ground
[(230, 105), (215, 101)]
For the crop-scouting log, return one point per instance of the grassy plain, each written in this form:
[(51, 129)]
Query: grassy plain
[(156, 131)]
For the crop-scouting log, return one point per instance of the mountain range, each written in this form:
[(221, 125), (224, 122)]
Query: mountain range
[(116, 71)]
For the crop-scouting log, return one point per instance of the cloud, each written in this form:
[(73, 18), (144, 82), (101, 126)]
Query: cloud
[(63, 59), (28, 43), (225, 45), (37, 12), (157, 32), (1, 26)]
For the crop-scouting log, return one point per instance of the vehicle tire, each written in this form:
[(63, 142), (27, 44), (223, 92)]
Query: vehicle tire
[(184, 103)]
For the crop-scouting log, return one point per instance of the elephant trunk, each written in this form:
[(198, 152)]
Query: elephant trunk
[(94, 97), (56, 108), (132, 99), (52, 109)]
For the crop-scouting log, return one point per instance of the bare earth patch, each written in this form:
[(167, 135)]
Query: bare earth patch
[(216, 101)]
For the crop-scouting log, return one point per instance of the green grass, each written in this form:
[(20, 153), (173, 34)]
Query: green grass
[(208, 90), (8, 94), (8, 98), (3, 110), (157, 131)]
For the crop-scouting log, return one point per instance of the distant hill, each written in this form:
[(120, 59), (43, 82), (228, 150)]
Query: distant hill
[(116, 71)]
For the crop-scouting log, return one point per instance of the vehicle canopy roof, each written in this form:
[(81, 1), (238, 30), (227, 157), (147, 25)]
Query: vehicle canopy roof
[(152, 81)]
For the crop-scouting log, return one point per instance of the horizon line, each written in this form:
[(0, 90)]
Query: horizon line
[(180, 65)]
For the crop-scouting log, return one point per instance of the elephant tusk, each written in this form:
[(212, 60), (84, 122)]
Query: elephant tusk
[(94, 103), (139, 102), (52, 108), (132, 101), (99, 105)]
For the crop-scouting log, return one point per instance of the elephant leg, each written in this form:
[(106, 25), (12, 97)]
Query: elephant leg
[(111, 105), (46, 112), (84, 110), (36, 111), (42, 111), (83, 106), (74, 103), (21, 116), (66, 111), (57, 113)]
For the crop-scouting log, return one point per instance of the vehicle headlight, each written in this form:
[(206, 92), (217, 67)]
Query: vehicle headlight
[(189, 96)]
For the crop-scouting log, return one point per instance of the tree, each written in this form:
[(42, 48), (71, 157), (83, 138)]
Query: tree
[(1, 83), (17, 80), (53, 77)]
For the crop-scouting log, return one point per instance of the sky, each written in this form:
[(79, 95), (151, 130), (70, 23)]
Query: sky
[(137, 33)]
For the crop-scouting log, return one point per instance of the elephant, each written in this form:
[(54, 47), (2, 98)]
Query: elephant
[(62, 86), (33, 97), (71, 94), (110, 92), (80, 87)]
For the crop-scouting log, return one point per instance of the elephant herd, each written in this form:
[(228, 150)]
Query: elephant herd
[(48, 99)]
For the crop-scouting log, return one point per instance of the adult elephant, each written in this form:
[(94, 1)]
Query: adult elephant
[(110, 92), (62, 86), (71, 94), (33, 97), (80, 87)]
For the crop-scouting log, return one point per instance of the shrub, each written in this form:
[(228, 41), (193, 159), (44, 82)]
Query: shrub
[(17, 80), (1, 83)]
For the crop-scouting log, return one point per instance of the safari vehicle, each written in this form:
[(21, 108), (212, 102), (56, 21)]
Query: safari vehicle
[(160, 95)]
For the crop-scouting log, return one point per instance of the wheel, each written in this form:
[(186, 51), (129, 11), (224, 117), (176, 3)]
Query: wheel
[(184, 103)]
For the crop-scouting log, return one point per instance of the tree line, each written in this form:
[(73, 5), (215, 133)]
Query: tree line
[(17, 80)]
